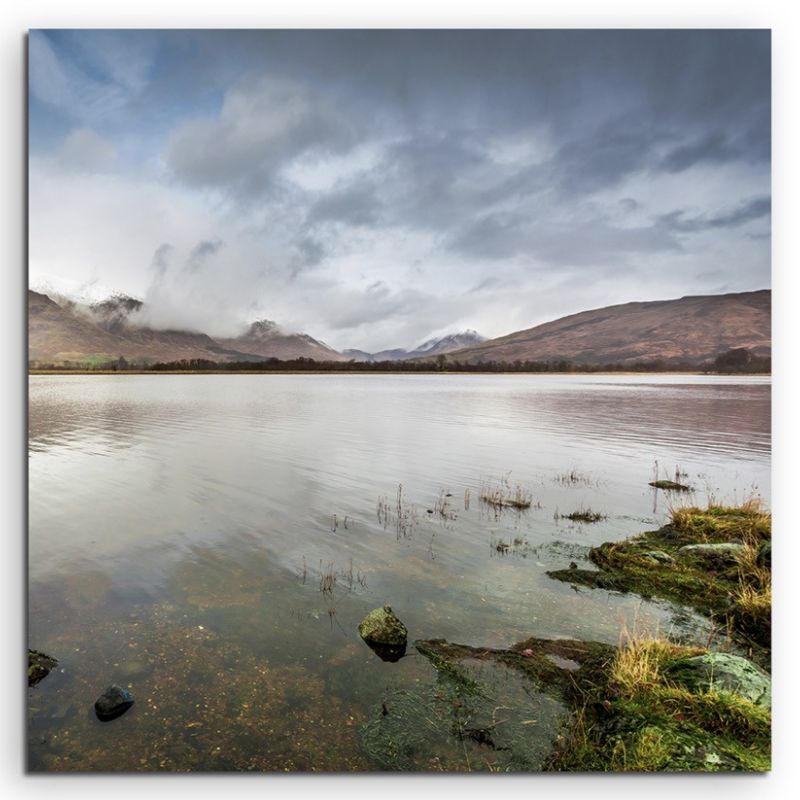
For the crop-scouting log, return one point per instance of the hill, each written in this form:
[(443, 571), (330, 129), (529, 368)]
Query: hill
[(691, 330)]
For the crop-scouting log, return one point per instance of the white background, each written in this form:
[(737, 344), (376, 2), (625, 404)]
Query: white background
[(781, 17)]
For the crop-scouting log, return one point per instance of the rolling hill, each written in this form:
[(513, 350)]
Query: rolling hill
[(691, 330)]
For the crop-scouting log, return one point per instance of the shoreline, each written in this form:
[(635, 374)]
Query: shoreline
[(62, 372)]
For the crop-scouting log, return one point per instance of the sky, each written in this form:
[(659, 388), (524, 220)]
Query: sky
[(377, 188)]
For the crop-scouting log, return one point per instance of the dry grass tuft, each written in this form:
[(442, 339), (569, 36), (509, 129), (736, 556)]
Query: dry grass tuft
[(504, 496)]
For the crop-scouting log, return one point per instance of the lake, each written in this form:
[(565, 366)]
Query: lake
[(213, 541)]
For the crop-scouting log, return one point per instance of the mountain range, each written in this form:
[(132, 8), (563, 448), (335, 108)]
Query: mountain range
[(688, 330), (64, 329), (432, 347)]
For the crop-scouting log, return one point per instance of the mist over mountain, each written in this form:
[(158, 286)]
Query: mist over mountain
[(89, 332), (689, 330), (431, 347)]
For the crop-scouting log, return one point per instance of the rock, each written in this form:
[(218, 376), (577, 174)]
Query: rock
[(716, 554), (658, 557), (39, 666), (724, 671), (384, 633), (112, 703), (764, 557)]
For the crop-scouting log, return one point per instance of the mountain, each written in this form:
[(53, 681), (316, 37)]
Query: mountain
[(446, 344), (107, 330), (265, 339), (692, 329), (115, 312), (443, 344)]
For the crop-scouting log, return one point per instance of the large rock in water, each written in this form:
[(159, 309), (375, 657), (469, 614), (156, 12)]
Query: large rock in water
[(112, 703), (384, 633), (727, 672)]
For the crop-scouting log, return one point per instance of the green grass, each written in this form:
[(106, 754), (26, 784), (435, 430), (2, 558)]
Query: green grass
[(644, 722), (652, 565)]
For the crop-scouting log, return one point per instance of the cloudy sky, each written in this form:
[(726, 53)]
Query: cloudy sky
[(375, 188)]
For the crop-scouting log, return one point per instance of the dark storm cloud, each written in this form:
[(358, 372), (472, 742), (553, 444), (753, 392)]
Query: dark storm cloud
[(503, 236), (713, 147), (755, 209)]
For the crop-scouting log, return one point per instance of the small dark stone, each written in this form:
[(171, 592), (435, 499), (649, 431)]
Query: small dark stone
[(114, 702)]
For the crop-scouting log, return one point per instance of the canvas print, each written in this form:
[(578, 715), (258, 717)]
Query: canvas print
[(399, 400)]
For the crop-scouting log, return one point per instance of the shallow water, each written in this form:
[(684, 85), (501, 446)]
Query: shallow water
[(182, 529)]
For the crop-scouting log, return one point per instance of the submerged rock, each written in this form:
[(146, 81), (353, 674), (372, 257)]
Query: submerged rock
[(384, 633), (114, 702), (724, 671), (39, 666)]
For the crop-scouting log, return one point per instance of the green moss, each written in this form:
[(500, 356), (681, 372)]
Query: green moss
[(640, 721), (714, 580), (382, 627), (655, 725)]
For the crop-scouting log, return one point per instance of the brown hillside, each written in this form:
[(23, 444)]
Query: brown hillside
[(690, 329)]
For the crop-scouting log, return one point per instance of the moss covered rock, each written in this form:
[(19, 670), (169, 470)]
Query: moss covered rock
[(384, 633), (731, 673), (716, 554), (39, 666), (381, 626)]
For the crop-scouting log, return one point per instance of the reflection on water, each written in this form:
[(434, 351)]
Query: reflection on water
[(213, 541)]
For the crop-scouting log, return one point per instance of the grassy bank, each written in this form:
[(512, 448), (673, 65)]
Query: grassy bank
[(647, 706), (654, 715), (716, 560)]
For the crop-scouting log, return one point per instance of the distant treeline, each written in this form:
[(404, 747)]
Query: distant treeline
[(739, 360)]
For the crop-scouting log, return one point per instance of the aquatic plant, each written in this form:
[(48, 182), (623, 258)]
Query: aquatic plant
[(504, 496), (574, 477), (584, 515), (401, 516)]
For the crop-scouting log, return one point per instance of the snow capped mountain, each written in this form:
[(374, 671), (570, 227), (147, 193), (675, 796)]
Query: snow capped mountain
[(431, 347), (448, 343)]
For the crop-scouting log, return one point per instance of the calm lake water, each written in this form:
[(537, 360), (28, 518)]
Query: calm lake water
[(183, 529)]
